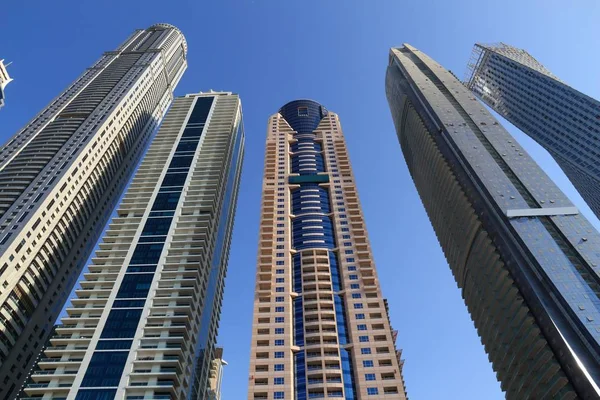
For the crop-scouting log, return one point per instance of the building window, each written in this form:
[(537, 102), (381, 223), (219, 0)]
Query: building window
[(278, 342), (278, 354), (353, 277), (278, 367), (351, 268), (354, 286), (303, 111), (278, 320), (360, 316), (278, 381), (365, 350), (349, 259), (356, 295), (279, 271), (362, 327), (279, 299), (278, 395), (367, 363), (279, 331), (358, 306), (279, 280), (278, 309), (363, 339), (279, 289), (372, 391)]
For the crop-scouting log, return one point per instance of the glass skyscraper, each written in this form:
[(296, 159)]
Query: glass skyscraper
[(60, 178), (526, 260), (320, 327), (144, 322), (563, 120)]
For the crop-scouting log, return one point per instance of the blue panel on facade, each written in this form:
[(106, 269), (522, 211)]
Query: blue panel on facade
[(113, 344), (157, 226), (95, 394), (303, 115), (146, 254), (312, 232), (335, 272), (128, 303), (300, 375), (298, 322), (348, 374), (166, 201), (201, 110), (340, 317), (135, 286), (297, 277), (105, 369), (121, 323)]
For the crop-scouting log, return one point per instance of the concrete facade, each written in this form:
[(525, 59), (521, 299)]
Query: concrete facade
[(144, 323), (61, 176), (320, 325)]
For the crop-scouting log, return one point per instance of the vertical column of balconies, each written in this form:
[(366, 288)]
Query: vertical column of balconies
[(315, 265), (368, 357), (165, 334), (71, 185)]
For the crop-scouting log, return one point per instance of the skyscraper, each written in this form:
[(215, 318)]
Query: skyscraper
[(563, 120), (144, 323), (216, 375), (4, 80), (60, 177), (525, 259), (320, 322)]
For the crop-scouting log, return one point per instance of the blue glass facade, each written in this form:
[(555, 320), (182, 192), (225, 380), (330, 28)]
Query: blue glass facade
[(563, 120), (212, 300), (525, 258), (106, 367), (312, 226)]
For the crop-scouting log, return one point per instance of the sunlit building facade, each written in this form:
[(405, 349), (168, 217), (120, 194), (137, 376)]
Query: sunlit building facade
[(563, 120), (4, 80), (144, 323), (217, 367), (524, 257), (320, 327), (60, 178)]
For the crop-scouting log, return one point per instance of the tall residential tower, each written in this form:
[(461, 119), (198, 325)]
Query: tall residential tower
[(60, 178), (144, 323), (4, 80), (320, 322), (563, 120), (526, 260)]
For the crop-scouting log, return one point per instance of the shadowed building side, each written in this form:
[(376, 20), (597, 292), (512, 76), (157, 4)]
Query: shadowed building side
[(524, 257), (144, 323), (60, 177), (561, 119)]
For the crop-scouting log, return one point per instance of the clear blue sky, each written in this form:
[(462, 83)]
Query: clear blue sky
[(336, 52)]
